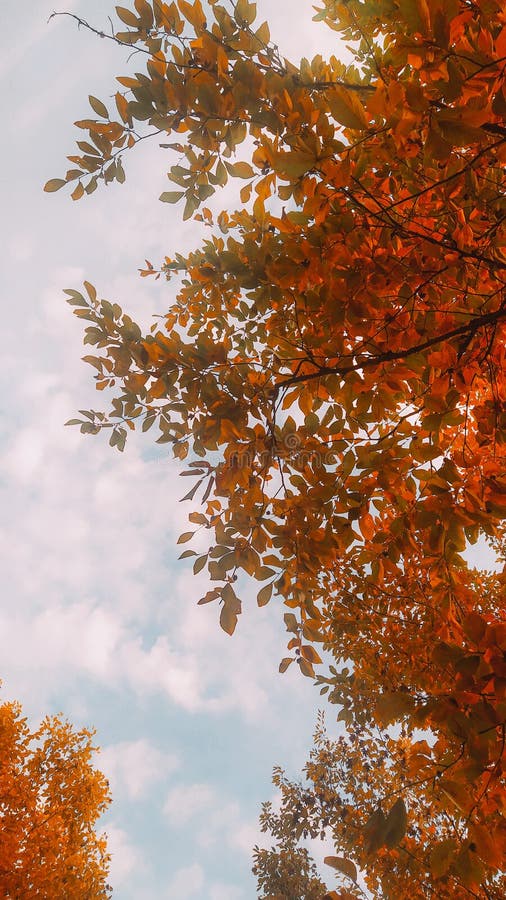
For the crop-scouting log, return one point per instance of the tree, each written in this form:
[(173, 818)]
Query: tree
[(50, 799), (287, 871), (334, 362), (436, 850)]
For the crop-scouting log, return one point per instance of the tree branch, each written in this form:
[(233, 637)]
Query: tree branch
[(390, 355)]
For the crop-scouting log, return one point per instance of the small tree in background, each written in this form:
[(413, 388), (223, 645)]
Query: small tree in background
[(50, 800)]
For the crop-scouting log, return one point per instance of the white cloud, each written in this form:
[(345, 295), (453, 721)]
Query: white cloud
[(220, 891), (126, 857), (214, 819), (292, 28), (186, 882), (186, 802), (245, 836), (162, 669), (132, 767), (16, 52)]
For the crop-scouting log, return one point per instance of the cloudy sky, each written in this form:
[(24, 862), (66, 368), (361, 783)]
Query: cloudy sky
[(98, 619)]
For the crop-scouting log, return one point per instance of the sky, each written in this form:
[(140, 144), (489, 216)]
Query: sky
[(99, 619)]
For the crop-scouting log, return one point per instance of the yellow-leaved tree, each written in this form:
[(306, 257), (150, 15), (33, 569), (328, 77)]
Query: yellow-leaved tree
[(50, 799)]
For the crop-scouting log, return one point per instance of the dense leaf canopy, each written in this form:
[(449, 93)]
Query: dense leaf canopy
[(50, 800), (333, 365)]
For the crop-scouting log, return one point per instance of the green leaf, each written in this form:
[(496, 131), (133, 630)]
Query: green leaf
[(171, 196), (117, 439), (240, 169), (76, 299), (221, 174), (190, 207), (98, 107), (120, 172), (199, 564)]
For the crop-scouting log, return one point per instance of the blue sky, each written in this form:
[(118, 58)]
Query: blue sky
[(99, 619)]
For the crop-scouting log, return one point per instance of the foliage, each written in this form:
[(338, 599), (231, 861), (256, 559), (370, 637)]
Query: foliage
[(50, 800), (355, 795), (336, 366), (287, 871)]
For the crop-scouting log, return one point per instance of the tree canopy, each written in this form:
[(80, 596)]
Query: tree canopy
[(332, 365), (50, 800)]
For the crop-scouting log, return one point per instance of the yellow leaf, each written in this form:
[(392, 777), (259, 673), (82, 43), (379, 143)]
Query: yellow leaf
[(245, 12), (395, 826), (171, 196), (374, 831), (306, 668), (145, 11), (228, 618), (310, 654), (263, 34), (366, 525), (127, 16), (78, 191), (347, 109), (287, 661), (264, 595), (240, 169), (98, 107), (54, 184), (346, 866), (488, 849), (441, 857), (122, 105), (193, 13)]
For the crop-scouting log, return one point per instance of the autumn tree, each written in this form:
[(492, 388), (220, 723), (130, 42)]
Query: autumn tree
[(50, 800), (286, 870), (332, 365)]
